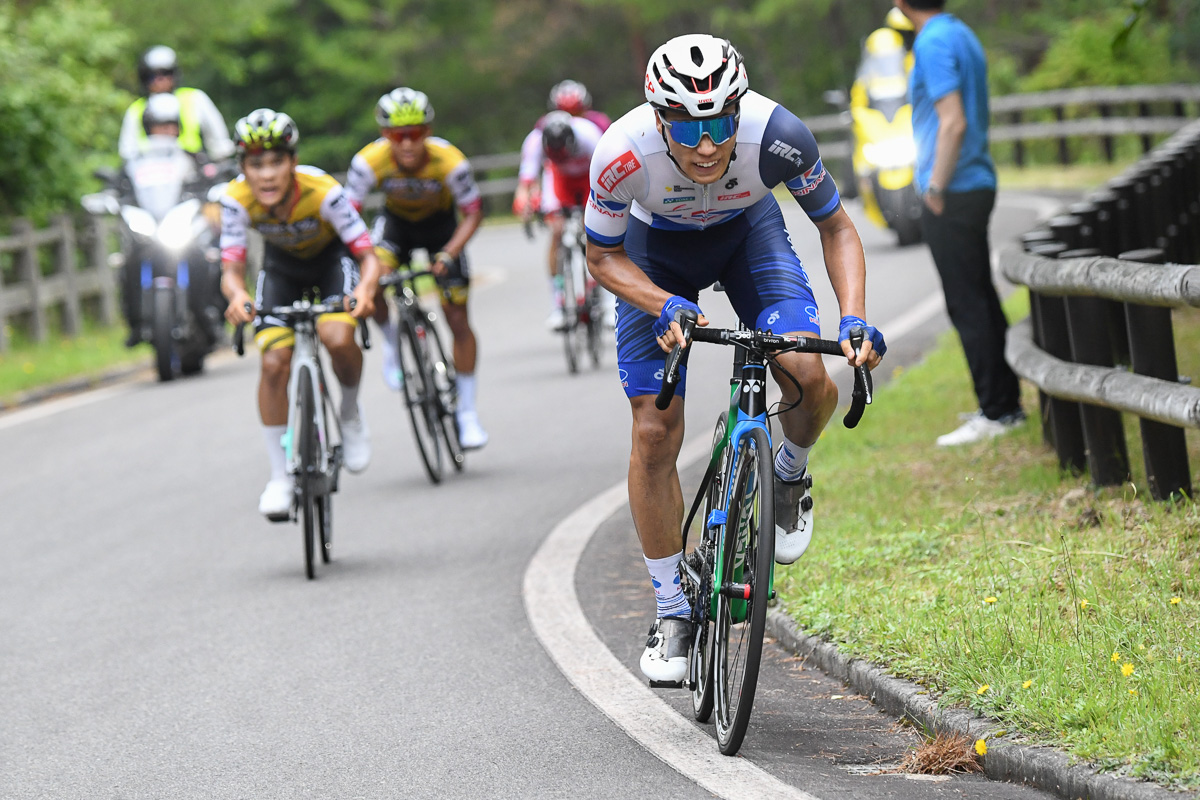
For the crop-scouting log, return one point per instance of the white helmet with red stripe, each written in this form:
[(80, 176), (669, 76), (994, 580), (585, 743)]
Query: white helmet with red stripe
[(697, 73)]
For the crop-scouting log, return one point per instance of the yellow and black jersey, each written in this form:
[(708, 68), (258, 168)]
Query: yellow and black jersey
[(444, 181), (321, 212)]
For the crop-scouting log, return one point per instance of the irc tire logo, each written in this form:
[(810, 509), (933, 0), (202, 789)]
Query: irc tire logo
[(618, 170)]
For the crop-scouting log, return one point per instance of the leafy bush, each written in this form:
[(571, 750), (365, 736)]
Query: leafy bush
[(59, 111)]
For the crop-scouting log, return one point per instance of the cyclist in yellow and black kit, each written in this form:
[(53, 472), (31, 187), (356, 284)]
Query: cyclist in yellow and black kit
[(427, 184), (314, 244)]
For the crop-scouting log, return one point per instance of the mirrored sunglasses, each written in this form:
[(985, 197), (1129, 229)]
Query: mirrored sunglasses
[(406, 133), (688, 132)]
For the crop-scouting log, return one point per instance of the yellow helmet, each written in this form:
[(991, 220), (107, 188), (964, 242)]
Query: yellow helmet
[(896, 20), (883, 41)]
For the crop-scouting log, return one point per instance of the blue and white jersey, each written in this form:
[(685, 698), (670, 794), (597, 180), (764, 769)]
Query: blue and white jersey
[(633, 174)]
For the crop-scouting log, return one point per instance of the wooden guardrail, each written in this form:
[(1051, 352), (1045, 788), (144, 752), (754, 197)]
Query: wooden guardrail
[(1099, 342), (45, 273)]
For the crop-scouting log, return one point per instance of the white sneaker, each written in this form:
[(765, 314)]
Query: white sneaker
[(977, 428), (275, 503), (392, 375), (664, 661), (471, 434), (793, 518), (554, 322), (356, 443)]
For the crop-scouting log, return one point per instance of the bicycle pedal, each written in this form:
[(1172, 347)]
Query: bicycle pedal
[(666, 684), (279, 517)]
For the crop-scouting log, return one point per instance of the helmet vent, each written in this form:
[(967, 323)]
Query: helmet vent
[(697, 56)]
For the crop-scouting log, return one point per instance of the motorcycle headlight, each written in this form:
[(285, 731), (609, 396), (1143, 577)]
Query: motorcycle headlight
[(891, 153), (175, 231), (139, 220)]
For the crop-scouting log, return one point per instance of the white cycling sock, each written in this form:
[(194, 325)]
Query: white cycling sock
[(349, 410), (791, 460), (664, 574), (273, 437), (465, 384), (387, 336), (556, 292)]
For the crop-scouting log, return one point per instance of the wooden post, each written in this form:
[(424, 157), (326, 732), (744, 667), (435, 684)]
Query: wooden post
[(1103, 432), (29, 272), (1147, 140), (1064, 156), (1105, 113), (3, 317), (104, 271), (1105, 203), (1152, 346), (72, 318), (1018, 145)]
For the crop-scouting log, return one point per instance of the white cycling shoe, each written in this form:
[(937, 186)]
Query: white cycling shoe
[(392, 375), (275, 503), (356, 443), (793, 518), (555, 321), (664, 661), (471, 434)]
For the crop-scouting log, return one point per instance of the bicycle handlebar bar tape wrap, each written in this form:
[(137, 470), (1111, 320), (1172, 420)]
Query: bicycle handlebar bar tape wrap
[(687, 321)]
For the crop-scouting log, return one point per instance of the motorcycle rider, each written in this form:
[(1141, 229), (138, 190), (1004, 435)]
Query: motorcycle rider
[(202, 129)]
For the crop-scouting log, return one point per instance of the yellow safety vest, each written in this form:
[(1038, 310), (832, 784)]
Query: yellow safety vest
[(189, 120)]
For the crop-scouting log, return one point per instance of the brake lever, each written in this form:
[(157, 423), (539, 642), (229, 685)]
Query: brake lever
[(863, 386)]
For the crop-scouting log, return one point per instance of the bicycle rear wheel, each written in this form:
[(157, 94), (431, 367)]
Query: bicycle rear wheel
[(704, 559), (595, 325), (445, 381), (747, 559), (306, 432), (420, 392)]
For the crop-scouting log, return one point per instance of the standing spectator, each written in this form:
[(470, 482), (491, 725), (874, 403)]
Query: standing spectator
[(957, 180)]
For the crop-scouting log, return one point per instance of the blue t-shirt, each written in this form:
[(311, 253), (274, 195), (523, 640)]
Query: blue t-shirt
[(948, 58)]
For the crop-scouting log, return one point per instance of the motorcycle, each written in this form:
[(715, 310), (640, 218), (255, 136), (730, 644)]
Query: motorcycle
[(884, 154), (170, 253)]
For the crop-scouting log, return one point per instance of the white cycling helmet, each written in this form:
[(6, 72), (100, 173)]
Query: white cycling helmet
[(161, 109), (403, 106), (696, 73)]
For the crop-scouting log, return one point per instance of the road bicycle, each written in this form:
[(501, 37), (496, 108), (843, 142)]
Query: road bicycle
[(427, 376), (582, 326), (728, 577), (312, 441)]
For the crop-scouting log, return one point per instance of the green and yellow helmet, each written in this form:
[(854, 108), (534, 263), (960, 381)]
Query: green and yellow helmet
[(264, 129), (403, 106)]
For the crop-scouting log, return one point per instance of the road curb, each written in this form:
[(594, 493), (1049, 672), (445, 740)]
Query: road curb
[(1043, 767), (72, 386)]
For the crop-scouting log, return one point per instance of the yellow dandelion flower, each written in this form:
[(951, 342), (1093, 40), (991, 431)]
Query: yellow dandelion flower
[(989, 600), (981, 747), (1141, 647), (983, 689), (1175, 601), (1116, 657), (1133, 692), (27, 367), (1178, 659), (1127, 669), (1026, 684)]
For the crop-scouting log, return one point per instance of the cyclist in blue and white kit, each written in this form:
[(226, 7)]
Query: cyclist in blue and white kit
[(681, 198)]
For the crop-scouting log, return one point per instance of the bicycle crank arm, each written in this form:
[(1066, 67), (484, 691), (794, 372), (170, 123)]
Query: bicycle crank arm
[(666, 684)]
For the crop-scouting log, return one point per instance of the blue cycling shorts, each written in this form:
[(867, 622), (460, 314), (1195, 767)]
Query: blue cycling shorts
[(751, 255)]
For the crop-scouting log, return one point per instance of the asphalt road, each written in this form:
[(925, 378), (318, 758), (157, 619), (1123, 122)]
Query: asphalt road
[(160, 639)]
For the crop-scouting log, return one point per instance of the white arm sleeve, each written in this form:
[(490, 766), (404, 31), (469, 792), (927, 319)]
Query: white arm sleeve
[(531, 156), (217, 143), (131, 134)]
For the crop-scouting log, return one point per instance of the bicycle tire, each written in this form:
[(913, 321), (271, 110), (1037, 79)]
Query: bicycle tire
[(419, 393), (570, 322), (595, 326), (306, 425), (702, 604), (325, 508), (446, 382), (739, 624)]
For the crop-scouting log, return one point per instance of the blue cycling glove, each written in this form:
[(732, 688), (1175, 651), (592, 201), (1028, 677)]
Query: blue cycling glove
[(873, 334), (667, 316)]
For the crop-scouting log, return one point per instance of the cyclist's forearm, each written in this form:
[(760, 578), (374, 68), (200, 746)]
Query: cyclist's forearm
[(233, 278), (846, 264), (370, 269), (615, 271), (463, 233)]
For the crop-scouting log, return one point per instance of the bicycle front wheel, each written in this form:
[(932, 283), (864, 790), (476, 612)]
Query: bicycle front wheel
[(420, 392), (704, 559), (445, 381), (306, 432), (570, 323), (747, 559)]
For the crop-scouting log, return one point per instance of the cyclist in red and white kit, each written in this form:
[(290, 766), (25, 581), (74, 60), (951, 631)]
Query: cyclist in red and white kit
[(554, 170)]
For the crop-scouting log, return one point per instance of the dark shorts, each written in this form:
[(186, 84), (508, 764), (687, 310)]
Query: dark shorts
[(396, 238), (751, 255), (284, 279)]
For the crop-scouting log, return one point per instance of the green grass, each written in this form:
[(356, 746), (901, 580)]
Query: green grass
[(1075, 177), (28, 365), (1003, 584)]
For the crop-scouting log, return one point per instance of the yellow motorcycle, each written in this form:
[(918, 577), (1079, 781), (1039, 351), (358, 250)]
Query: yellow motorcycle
[(884, 153)]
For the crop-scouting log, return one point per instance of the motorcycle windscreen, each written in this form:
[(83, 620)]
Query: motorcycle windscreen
[(158, 175)]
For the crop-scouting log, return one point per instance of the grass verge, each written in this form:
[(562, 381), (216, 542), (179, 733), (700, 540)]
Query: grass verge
[(30, 365), (1003, 584)]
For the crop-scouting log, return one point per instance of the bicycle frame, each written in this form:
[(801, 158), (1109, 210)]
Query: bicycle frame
[(306, 358)]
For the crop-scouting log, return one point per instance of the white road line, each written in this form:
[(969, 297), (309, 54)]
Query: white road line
[(52, 407)]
